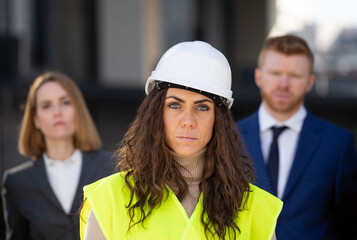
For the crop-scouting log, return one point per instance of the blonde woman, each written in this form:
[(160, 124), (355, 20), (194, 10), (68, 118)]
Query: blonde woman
[(42, 196)]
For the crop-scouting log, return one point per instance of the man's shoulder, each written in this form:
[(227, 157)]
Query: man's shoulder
[(248, 118), (328, 127), (247, 121)]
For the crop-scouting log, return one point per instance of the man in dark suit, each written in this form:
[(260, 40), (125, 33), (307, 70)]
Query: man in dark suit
[(309, 163)]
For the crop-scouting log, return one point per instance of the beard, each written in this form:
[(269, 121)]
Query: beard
[(287, 106)]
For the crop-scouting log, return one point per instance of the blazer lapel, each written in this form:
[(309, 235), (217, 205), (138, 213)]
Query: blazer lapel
[(87, 172), (251, 135), (308, 141), (41, 180)]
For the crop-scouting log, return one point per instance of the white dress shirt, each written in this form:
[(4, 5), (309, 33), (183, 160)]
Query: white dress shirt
[(287, 141), (63, 176)]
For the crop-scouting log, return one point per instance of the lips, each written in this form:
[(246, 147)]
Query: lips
[(187, 138), (58, 123), (281, 96)]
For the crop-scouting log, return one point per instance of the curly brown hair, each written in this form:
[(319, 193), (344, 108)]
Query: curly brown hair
[(147, 160)]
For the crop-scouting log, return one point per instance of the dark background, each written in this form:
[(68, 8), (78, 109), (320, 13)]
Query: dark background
[(67, 36)]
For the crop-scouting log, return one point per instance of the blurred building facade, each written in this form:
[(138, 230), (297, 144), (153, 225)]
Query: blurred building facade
[(110, 47)]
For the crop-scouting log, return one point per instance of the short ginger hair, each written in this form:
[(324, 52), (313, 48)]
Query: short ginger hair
[(288, 45)]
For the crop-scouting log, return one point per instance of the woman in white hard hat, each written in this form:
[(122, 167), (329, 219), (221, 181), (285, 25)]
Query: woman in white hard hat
[(185, 174)]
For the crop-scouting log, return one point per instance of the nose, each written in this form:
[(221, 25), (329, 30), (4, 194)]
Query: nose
[(57, 109), (284, 80), (188, 119)]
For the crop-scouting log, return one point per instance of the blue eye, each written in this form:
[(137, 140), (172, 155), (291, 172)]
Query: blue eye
[(203, 108), (174, 105)]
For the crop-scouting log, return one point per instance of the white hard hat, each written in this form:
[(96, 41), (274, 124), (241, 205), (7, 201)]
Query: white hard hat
[(195, 65)]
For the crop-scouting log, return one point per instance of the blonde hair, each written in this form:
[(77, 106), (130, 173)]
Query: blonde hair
[(31, 141)]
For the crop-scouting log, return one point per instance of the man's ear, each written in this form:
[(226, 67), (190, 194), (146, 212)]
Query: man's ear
[(257, 76), (311, 82)]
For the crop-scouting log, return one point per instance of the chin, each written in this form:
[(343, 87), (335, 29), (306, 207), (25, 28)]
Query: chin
[(186, 152), (282, 106), (62, 137)]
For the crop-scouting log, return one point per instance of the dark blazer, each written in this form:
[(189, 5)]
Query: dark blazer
[(320, 197), (32, 209)]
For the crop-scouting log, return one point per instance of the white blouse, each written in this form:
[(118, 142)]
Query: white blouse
[(63, 176)]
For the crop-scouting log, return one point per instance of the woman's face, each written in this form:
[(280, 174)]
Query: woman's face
[(54, 112), (188, 120)]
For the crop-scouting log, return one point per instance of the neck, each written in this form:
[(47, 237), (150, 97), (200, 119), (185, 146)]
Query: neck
[(59, 149), (281, 116), (191, 166)]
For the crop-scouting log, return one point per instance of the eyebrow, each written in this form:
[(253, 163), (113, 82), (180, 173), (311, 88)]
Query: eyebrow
[(195, 102), (61, 99)]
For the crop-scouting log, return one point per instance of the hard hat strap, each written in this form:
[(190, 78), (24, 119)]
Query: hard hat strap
[(218, 100)]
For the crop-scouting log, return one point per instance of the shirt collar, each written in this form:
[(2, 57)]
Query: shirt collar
[(73, 159), (266, 121)]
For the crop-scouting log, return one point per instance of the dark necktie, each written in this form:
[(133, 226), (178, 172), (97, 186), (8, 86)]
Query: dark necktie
[(273, 159)]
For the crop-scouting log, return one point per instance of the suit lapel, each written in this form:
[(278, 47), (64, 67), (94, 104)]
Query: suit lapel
[(251, 135), (87, 171), (41, 180), (309, 139)]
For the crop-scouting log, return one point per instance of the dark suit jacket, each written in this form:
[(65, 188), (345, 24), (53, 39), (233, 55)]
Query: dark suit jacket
[(32, 209), (320, 197)]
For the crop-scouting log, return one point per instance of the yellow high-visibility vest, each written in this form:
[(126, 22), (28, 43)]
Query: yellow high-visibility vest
[(108, 198)]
